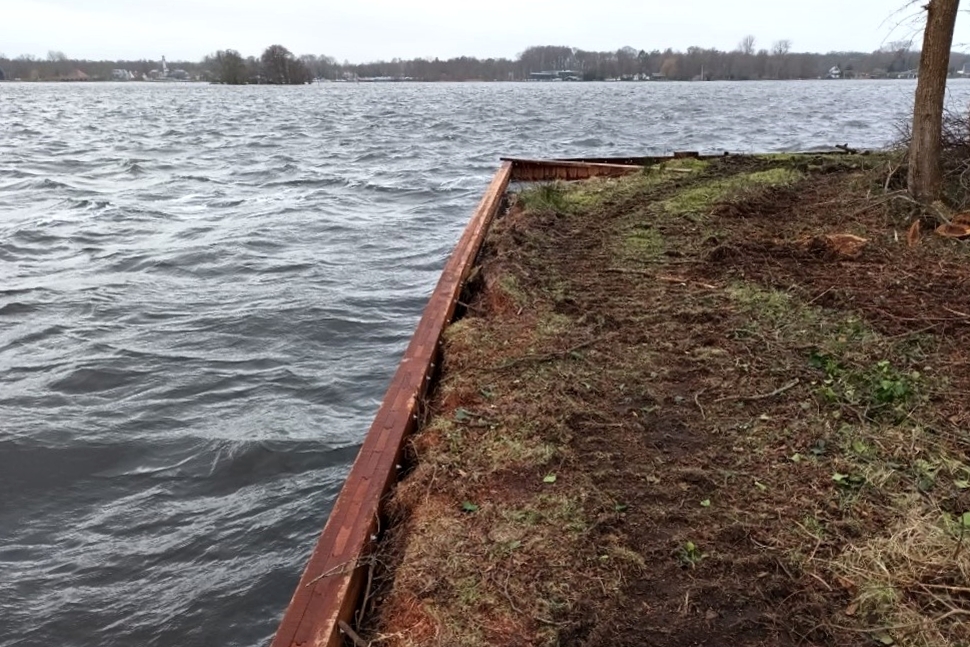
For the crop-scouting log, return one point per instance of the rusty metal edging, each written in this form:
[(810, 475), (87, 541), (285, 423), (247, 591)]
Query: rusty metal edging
[(530, 170), (650, 160), (330, 588), (646, 160)]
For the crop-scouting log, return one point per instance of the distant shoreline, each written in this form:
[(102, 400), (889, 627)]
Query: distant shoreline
[(547, 63)]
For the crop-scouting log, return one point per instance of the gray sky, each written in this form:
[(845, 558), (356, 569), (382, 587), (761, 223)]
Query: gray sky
[(365, 30)]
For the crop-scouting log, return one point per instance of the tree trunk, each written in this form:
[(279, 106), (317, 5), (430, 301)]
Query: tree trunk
[(925, 177)]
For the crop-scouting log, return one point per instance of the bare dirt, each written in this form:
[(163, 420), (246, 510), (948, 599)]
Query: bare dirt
[(699, 406)]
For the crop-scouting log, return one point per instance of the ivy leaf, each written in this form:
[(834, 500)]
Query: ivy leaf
[(468, 506)]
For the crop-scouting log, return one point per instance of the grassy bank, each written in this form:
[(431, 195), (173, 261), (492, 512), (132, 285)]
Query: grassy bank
[(711, 403)]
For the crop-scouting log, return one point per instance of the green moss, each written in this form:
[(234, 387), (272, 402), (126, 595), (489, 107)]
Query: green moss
[(772, 304), (510, 286), (642, 243), (566, 197), (553, 325), (697, 200), (581, 198), (544, 197)]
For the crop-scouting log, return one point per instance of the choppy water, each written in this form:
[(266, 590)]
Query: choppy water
[(204, 291)]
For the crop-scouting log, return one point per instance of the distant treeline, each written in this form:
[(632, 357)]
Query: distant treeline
[(278, 65)]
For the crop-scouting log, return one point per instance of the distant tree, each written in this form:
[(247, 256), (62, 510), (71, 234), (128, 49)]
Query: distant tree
[(326, 67), (300, 74), (626, 61), (643, 62), (925, 172), (546, 57), (779, 54), (746, 46), (230, 67), (280, 67)]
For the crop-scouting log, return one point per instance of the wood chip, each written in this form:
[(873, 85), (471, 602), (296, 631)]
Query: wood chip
[(953, 230), (913, 235)]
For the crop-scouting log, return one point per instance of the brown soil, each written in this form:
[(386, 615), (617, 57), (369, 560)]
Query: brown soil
[(740, 388)]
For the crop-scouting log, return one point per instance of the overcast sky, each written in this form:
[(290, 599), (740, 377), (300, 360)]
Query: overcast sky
[(366, 30)]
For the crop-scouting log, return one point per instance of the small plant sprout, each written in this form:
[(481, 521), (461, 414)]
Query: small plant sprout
[(690, 555)]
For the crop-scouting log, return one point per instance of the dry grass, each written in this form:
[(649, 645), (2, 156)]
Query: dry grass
[(912, 586)]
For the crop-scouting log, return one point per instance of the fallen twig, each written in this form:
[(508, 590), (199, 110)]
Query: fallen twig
[(508, 596), (762, 396), (824, 583), (892, 172), (685, 281), (821, 294), (367, 591), (957, 312), (697, 401), (339, 569), (350, 633)]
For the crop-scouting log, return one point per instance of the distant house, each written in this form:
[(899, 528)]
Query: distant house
[(121, 75), (834, 73), (166, 74), (543, 76), (557, 75)]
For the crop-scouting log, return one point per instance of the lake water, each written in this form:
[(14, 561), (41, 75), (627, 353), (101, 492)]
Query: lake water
[(204, 291)]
